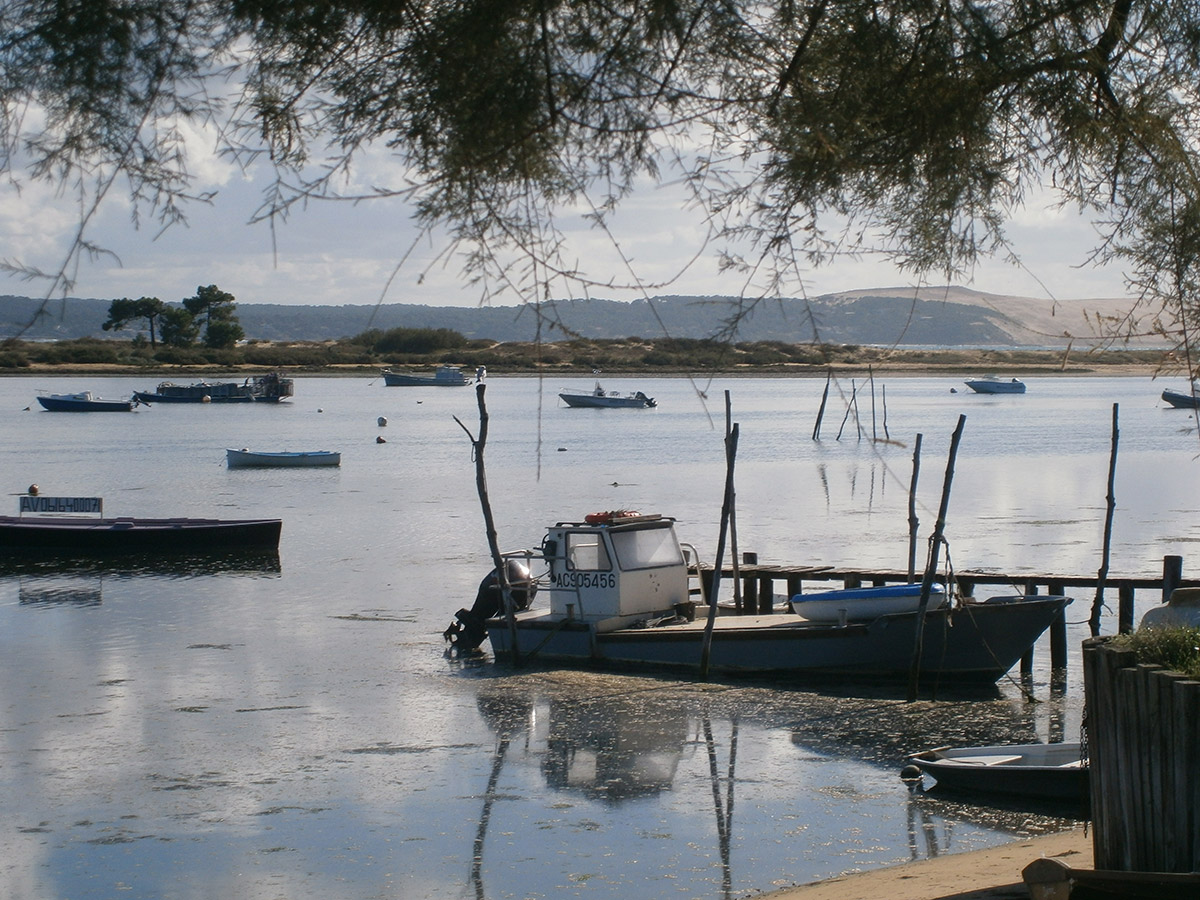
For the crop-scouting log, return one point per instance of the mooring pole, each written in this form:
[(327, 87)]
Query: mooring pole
[(731, 440), (913, 522), (816, 435), (935, 543), (477, 446), (1098, 603)]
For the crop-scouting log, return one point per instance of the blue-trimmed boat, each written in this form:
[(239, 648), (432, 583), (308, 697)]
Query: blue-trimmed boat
[(83, 401)]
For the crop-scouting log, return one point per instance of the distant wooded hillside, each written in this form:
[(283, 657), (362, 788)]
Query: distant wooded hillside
[(939, 317)]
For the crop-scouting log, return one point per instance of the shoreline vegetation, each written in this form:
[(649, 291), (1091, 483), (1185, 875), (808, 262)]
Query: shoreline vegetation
[(370, 354)]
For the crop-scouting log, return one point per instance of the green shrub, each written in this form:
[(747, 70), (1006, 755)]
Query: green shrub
[(1176, 648)]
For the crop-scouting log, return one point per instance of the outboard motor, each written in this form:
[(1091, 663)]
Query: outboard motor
[(469, 629)]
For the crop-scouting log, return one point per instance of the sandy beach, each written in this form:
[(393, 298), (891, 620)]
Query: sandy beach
[(992, 874)]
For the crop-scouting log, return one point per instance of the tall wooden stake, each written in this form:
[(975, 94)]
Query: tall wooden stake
[(489, 522), (731, 441), (1098, 603), (913, 522), (733, 541), (816, 435), (935, 543)]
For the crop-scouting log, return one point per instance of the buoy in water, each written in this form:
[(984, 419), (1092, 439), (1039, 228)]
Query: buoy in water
[(33, 490), (910, 773), (382, 420), (380, 440)]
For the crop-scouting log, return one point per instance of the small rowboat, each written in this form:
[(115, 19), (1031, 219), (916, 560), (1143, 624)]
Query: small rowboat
[(863, 604), (240, 459), (1038, 771)]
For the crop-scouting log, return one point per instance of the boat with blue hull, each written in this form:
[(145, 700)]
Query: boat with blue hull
[(621, 594), (1181, 399), (83, 401)]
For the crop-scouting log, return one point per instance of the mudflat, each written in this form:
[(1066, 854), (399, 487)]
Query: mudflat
[(991, 874)]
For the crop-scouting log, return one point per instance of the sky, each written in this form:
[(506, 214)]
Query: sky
[(340, 253)]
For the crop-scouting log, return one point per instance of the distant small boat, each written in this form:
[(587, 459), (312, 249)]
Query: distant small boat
[(84, 401), (1037, 771), (1182, 399), (270, 388), (863, 604), (599, 398), (990, 385), (445, 376), (240, 459)]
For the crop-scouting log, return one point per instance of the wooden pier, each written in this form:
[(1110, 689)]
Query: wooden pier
[(759, 581)]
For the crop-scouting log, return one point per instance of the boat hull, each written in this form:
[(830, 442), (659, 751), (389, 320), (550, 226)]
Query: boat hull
[(262, 389), (78, 534), (977, 642), (590, 401), (63, 403), (1181, 400), (244, 459), (988, 386), (1036, 771), (858, 604), (447, 377)]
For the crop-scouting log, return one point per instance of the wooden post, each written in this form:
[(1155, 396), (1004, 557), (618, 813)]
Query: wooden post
[(1172, 575), (731, 440), (1031, 589), (749, 602), (489, 522), (766, 595), (935, 543), (913, 521), (1058, 631), (1098, 603), (816, 435), (849, 405), (1125, 609), (738, 602), (874, 430)]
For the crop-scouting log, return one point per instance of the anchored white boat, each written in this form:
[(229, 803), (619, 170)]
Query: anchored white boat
[(236, 459), (991, 385), (621, 593), (599, 398)]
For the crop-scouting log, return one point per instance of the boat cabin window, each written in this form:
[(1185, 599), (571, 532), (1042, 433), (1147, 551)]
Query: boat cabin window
[(647, 548), (586, 551)]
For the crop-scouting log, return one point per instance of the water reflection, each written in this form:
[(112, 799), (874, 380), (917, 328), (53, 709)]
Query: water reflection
[(59, 592), (256, 562), (614, 740)]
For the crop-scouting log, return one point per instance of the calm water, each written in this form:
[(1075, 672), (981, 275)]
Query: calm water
[(289, 727)]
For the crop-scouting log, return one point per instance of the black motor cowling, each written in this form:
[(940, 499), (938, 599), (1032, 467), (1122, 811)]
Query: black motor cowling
[(469, 629)]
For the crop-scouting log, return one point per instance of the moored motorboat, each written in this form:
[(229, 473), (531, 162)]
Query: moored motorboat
[(1181, 399), (269, 388), (281, 458), (83, 401), (1055, 771), (445, 376), (991, 385), (599, 398), (621, 593)]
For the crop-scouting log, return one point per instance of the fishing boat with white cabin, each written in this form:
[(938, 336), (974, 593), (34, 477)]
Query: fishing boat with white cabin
[(623, 591)]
